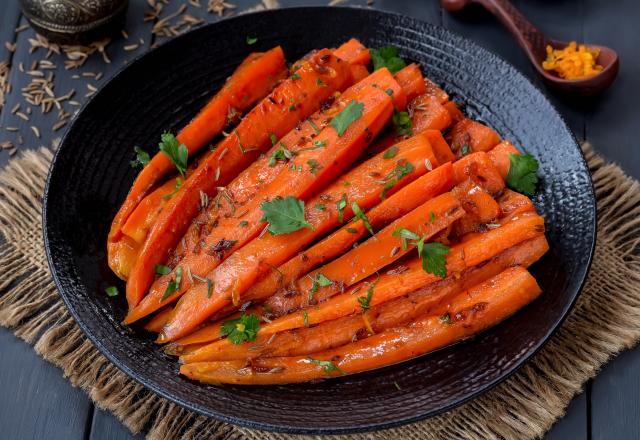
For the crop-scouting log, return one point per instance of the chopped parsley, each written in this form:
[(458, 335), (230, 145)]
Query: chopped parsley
[(464, 150), (314, 166), (173, 285), (405, 235), (387, 57), (282, 154), (360, 215), (205, 280), (390, 153), (142, 158), (295, 76), (328, 367), (321, 206), (319, 143), (320, 83), (342, 203), (522, 175), (352, 230), (445, 319), (284, 215), (318, 281), (432, 217), (394, 176), (111, 291), (243, 224), (251, 40), (162, 270), (351, 113), (273, 138), (175, 190), (314, 126), (365, 301), (432, 254), (175, 151), (243, 329), (305, 318), (402, 123)]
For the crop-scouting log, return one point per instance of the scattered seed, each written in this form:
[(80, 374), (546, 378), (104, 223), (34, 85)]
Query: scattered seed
[(15, 108), (11, 47), (35, 131), (22, 116), (131, 47)]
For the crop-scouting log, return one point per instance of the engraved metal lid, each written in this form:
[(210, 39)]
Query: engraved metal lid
[(73, 21)]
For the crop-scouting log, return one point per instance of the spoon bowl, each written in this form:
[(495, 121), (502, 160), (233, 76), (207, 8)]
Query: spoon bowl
[(534, 43)]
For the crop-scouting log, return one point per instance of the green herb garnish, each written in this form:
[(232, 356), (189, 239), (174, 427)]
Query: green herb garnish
[(432, 254), (243, 224), (360, 215), (387, 57), (390, 153), (464, 150), (243, 329), (251, 40), (321, 206), (522, 175), (305, 318), (162, 270), (328, 367), (394, 176), (111, 291), (142, 158), (402, 123), (175, 151), (284, 215), (351, 113), (314, 166), (273, 138), (314, 126), (352, 230), (173, 285), (365, 301), (342, 203), (295, 76), (318, 281)]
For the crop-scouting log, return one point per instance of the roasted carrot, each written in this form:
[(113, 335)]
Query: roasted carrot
[(382, 315), (251, 81), (428, 113), (123, 255), (468, 135), (454, 111), (294, 99), (354, 52), (158, 321), (372, 255), (479, 168), (433, 90), (405, 200), (513, 203), (490, 303), (499, 156), (440, 147), (479, 205), (397, 312), (331, 155), (477, 249), (411, 80), (143, 216), (267, 252)]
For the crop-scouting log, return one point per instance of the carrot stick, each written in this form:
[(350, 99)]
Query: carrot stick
[(251, 81), (454, 111), (294, 99), (267, 252), (499, 156), (382, 316), (408, 198), (158, 321), (428, 113), (432, 89), (375, 253), (513, 203), (470, 312), (397, 312), (473, 134), (144, 215), (479, 205), (477, 249), (334, 154), (411, 80), (479, 168), (440, 147), (339, 153), (123, 255), (354, 52)]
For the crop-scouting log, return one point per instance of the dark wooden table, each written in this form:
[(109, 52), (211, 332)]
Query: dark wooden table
[(37, 402)]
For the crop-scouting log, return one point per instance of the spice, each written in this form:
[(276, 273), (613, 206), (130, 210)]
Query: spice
[(572, 62)]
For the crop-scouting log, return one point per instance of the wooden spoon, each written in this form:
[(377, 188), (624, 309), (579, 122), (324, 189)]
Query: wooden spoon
[(534, 43)]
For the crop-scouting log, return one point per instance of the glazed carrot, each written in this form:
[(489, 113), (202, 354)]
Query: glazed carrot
[(470, 312), (123, 255), (397, 312), (479, 205), (471, 136), (411, 80), (440, 147), (294, 99), (338, 153), (144, 215), (499, 156), (251, 81), (454, 111), (267, 252), (358, 72), (477, 249), (479, 168), (513, 203), (405, 200), (158, 321), (373, 254), (432, 89), (428, 113), (354, 52), (333, 154), (382, 315)]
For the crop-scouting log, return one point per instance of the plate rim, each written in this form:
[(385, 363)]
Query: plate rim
[(281, 428)]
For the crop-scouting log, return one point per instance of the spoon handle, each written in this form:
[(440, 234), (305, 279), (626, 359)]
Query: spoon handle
[(527, 35)]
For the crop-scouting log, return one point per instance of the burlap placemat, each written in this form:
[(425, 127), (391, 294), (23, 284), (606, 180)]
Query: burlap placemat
[(523, 407)]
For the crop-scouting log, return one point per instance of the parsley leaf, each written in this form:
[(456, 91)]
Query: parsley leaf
[(282, 154), (342, 203), (365, 301), (294, 77), (111, 291), (318, 281), (162, 270), (251, 40), (402, 123), (284, 215), (173, 285), (390, 153), (405, 235), (175, 151), (240, 330), (464, 150), (359, 214), (305, 318), (387, 57), (394, 176), (273, 138), (328, 367), (351, 113), (433, 257), (142, 158), (314, 166), (522, 175), (321, 206)]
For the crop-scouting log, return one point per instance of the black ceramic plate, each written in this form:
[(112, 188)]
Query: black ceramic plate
[(90, 176)]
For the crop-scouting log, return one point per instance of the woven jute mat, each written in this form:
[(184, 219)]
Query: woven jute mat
[(525, 406)]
